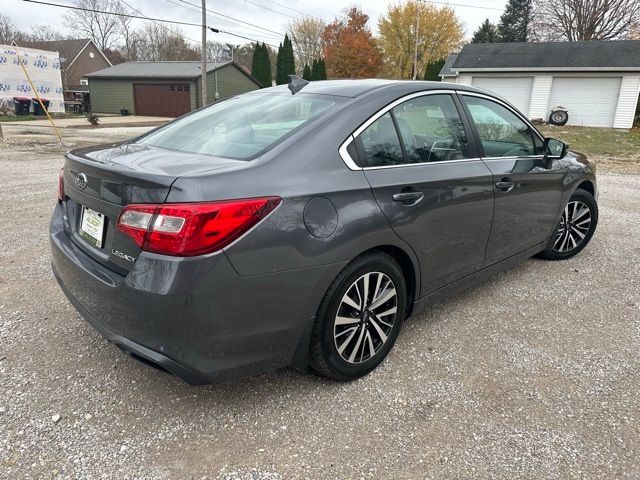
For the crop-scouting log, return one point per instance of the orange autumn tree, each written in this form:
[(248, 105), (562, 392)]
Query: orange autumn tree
[(350, 50)]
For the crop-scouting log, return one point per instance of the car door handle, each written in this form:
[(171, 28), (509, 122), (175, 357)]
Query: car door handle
[(408, 198), (505, 185)]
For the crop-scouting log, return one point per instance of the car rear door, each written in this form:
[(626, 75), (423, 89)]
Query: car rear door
[(528, 193), (436, 194)]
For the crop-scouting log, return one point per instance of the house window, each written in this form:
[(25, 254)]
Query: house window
[(84, 81)]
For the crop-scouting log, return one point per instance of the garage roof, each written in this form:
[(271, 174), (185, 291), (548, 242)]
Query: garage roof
[(158, 70), (531, 56)]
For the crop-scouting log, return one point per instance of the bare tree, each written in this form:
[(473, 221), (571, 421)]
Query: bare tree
[(104, 29), (218, 52), (575, 20), (43, 33), (306, 36), (8, 30), (130, 39), (158, 43)]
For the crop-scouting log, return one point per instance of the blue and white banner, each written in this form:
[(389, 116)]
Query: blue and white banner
[(43, 68)]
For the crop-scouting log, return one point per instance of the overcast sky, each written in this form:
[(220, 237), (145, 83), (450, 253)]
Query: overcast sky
[(271, 14)]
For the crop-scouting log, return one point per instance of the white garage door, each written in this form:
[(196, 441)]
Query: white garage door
[(516, 90), (590, 101)]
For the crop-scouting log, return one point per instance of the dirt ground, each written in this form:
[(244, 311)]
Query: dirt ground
[(532, 374)]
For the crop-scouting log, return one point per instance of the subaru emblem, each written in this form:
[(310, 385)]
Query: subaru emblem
[(81, 181)]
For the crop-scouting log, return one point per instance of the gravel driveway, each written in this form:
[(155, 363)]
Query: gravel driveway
[(533, 374)]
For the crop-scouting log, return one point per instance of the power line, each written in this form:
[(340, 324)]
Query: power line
[(464, 5), (294, 10), (128, 15), (274, 33), (270, 9), (154, 22), (232, 18), (175, 22)]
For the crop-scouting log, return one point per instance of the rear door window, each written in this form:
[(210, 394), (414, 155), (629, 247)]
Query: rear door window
[(431, 129)]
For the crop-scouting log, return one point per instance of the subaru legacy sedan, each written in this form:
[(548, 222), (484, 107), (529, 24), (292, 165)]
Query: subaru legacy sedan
[(300, 226)]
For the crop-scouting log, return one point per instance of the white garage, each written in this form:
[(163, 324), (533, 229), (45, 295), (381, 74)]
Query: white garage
[(598, 82), (590, 100), (516, 89)]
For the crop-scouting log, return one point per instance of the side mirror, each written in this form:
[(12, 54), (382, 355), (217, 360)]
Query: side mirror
[(553, 149)]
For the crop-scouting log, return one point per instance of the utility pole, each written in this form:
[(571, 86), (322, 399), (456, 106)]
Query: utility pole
[(204, 52), (415, 51)]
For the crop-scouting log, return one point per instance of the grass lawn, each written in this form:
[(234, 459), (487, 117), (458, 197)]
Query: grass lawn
[(597, 142)]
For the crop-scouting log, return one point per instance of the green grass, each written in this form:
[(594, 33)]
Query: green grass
[(597, 141), (17, 118)]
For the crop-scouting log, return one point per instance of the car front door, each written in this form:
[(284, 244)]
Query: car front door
[(527, 191), (436, 194)]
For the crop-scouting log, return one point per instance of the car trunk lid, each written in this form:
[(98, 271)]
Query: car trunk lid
[(99, 182)]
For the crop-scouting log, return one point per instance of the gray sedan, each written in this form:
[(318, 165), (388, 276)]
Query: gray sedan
[(300, 226)]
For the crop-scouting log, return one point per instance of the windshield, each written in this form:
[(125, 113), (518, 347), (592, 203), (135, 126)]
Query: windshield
[(239, 127)]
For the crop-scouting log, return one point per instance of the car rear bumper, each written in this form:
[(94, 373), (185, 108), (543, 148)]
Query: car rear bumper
[(134, 349), (195, 317)]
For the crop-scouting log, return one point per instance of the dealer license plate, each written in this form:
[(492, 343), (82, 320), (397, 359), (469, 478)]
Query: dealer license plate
[(92, 227)]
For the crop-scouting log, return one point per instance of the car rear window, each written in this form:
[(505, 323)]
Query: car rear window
[(240, 127)]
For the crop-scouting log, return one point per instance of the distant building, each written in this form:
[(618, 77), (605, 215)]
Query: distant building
[(43, 68), (164, 89), (77, 58), (598, 82)]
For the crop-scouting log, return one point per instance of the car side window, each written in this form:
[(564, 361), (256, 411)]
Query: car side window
[(381, 143), (502, 133), (431, 129)]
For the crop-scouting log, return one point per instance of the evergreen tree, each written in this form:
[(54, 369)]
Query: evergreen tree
[(432, 72), (266, 66), (306, 72), (514, 22), (486, 33), (279, 66), (261, 65), (322, 70), (285, 64), (256, 64), (314, 70)]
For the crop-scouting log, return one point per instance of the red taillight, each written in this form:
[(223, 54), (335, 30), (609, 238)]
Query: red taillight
[(188, 229), (61, 185)]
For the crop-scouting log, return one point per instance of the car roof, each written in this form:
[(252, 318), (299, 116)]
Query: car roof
[(355, 88)]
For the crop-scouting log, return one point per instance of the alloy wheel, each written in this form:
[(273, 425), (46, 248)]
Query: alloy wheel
[(574, 226), (365, 317)]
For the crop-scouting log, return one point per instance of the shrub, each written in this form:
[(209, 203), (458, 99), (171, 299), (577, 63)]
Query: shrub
[(93, 119), (6, 107)]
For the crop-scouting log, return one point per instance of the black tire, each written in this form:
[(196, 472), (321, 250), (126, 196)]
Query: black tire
[(558, 117), (325, 356), (553, 250)]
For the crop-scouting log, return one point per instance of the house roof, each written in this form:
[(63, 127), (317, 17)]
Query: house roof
[(155, 70), (446, 68), (591, 55), (67, 49)]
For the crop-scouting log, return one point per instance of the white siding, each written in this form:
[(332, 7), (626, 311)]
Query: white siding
[(516, 90), (540, 93), (465, 79), (627, 101)]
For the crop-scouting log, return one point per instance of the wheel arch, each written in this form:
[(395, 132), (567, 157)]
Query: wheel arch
[(588, 186), (411, 270)]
